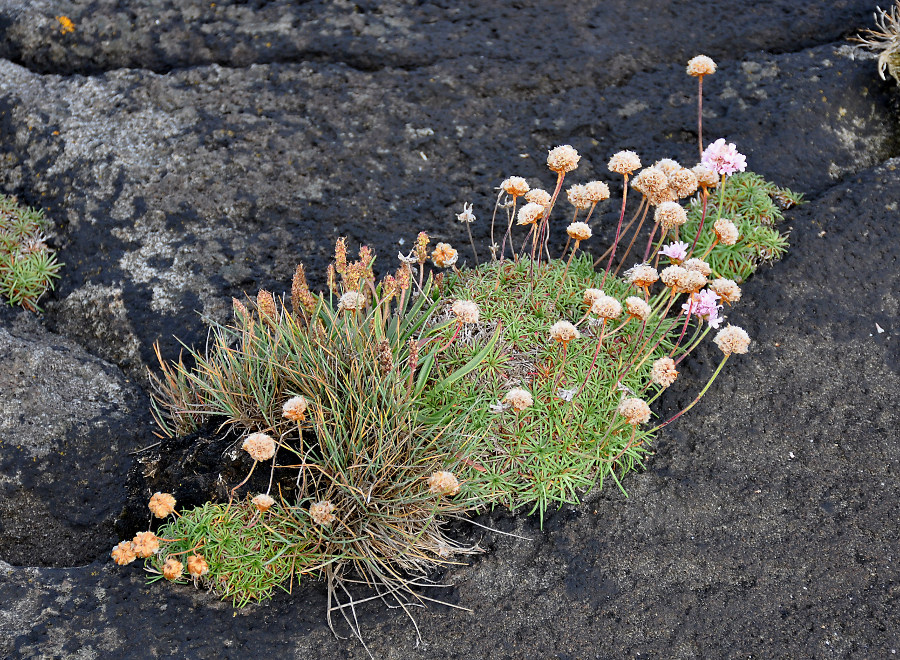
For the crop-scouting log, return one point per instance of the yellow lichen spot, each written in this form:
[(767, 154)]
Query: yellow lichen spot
[(66, 24)]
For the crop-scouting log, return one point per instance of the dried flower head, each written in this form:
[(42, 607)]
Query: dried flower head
[(655, 180), (590, 295), (515, 186), (421, 247), (732, 339), (172, 569), (529, 214), (443, 483), (637, 308), (322, 513), (684, 183), (351, 301), (162, 505), (690, 281), (145, 544), (727, 289), (123, 553), (705, 176), (240, 311), (670, 215), (538, 196), (295, 408), (444, 255), (260, 446), (265, 305), (563, 158), (597, 191), (701, 65), (723, 159), (624, 162), (340, 255), (726, 231), (578, 197), (642, 275), (466, 311), (563, 332), (579, 231), (606, 307), (667, 166), (664, 372), (885, 39), (671, 275), (635, 411), (197, 566), (466, 216), (519, 399), (698, 265), (263, 502)]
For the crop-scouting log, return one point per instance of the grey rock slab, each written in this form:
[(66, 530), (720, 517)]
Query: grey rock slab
[(67, 423), (763, 526)]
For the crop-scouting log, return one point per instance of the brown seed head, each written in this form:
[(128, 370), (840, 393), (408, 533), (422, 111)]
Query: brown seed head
[(624, 162), (728, 290), (240, 311), (637, 308), (726, 231), (538, 196), (563, 158), (385, 357), (515, 186), (664, 372), (529, 214), (413, 360), (563, 332), (519, 399), (732, 339), (295, 408), (701, 65), (162, 505), (421, 248), (670, 215), (340, 255), (265, 305), (260, 446), (197, 566), (466, 311), (444, 255), (263, 502), (579, 231), (389, 287), (443, 483), (403, 277), (172, 569), (635, 411), (145, 544), (331, 278), (606, 307), (322, 513), (123, 553)]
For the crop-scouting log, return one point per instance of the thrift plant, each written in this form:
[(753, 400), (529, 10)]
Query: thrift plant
[(27, 266), (394, 406), (885, 40)]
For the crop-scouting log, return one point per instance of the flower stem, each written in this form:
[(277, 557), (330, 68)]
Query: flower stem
[(699, 396)]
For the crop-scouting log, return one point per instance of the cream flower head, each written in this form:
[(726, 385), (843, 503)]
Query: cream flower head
[(529, 214), (597, 191), (563, 158), (697, 265), (519, 399), (466, 311), (624, 162), (515, 186), (726, 231), (590, 295), (578, 197), (606, 307), (444, 255), (352, 300), (642, 275), (701, 65), (161, 504), (263, 502), (538, 196), (563, 332), (671, 275), (295, 408), (260, 446), (579, 231), (684, 183), (443, 483), (635, 411), (664, 372), (705, 176), (728, 290), (732, 339), (670, 215), (637, 308), (322, 513)]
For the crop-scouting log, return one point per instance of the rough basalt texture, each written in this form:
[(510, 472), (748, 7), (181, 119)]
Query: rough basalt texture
[(189, 153)]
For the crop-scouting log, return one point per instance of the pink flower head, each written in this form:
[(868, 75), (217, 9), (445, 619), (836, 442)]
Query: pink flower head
[(723, 158), (705, 305), (676, 251)]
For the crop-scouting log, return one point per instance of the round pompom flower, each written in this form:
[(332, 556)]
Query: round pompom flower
[(590, 295), (705, 176), (664, 372), (352, 300), (596, 191), (701, 65), (197, 566), (670, 275), (515, 186), (635, 411), (295, 408), (727, 289), (732, 339), (670, 215), (654, 180), (637, 308), (444, 255), (642, 275), (443, 483), (519, 399), (690, 281), (563, 332), (145, 544), (684, 183), (538, 196), (529, 214), (723, 158), (578, 197), (726, 231), (263, 502), (466, 311), (161, 505), (123, 553), (580, 231), (322, 513), (172, 569), (624, 162), (260, 446), (563, 158), (698, 265), (606, 307)]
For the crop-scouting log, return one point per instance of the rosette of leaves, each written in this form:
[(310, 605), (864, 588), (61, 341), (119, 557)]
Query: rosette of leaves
[(27, 265)]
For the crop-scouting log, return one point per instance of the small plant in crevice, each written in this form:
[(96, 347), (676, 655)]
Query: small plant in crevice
[(27, 265), (400, 404), (885, 40)]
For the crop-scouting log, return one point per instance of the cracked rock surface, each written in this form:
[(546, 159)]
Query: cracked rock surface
[(190, 152)]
